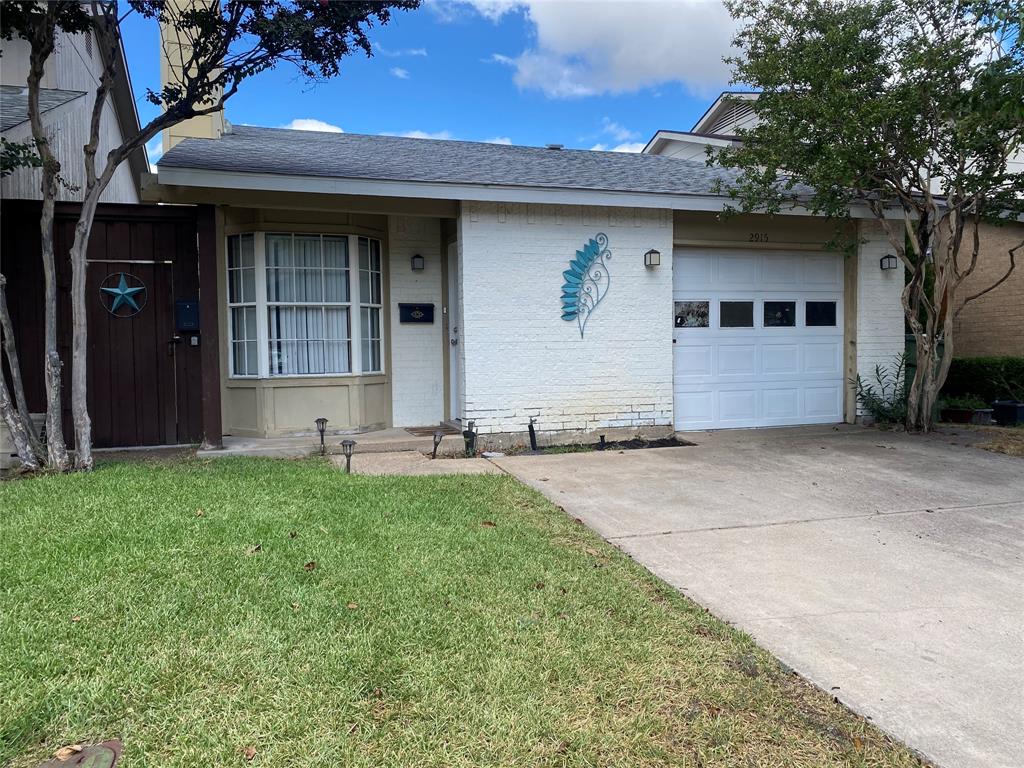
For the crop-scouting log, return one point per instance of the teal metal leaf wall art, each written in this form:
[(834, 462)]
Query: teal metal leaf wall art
[(586, 281)]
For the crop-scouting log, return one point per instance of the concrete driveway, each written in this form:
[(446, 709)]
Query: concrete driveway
[(888, 569)]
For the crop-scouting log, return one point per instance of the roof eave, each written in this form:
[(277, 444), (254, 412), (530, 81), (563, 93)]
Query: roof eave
[(231, 180)]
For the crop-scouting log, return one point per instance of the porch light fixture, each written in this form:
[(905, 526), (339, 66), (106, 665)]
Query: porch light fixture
[(347, 447), (438, 437), (652, 258), (321, 427), (418, 263), (887, 262)]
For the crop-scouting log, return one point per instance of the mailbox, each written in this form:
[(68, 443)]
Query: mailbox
[(186, 315), (416, 313)]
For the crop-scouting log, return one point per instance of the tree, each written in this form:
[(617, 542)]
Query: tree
[(910, 108), (221, 45)]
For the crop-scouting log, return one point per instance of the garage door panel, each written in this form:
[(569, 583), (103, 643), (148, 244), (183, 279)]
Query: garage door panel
[(781, 403), (823, 402), (737, 405), (738, 270), (737, 359), (692, 360), (780, 359), (781, 270), (731, 370), (823, 357)]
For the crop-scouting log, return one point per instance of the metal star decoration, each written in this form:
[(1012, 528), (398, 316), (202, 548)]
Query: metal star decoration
[(123, 295)]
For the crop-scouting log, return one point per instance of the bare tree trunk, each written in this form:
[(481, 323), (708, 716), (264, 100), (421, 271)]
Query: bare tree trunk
[(19, 434), (41, 48), (80, 338), (14, 365)]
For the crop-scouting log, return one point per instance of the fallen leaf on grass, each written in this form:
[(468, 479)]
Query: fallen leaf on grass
[(65, 753), (858, 744), (75, 620), (295, 607), (352, 606), (309, 566), (254, 549), (489, 524), (200, 513), (293, 535), (539, 585), (249, 753)]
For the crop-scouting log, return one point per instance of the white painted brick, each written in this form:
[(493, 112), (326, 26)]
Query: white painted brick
[(880, 324), (520, 359), (417, 372)]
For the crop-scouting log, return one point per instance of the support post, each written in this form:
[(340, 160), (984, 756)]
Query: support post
[(209, 324)]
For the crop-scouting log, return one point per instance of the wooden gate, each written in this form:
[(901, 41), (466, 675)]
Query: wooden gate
[(145, 375)]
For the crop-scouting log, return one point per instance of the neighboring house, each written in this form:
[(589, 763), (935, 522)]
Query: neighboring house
[(990, 325), (66, 99)]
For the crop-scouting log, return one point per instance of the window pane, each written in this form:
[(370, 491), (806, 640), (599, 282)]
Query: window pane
[(692, 314), (370, 332), (820, 313), (736, 314), (336, 285), (779, 314), (336, 252), (297, 340)]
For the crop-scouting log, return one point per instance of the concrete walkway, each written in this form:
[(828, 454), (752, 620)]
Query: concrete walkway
[(888, 569), (414, 463)]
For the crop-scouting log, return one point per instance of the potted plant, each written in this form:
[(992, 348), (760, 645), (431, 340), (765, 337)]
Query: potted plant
[(965, 409)]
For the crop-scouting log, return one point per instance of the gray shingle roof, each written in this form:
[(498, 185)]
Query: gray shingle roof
[(390, 158), (14, 103)]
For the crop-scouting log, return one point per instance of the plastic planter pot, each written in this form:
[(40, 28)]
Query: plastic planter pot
[(1008, 413)]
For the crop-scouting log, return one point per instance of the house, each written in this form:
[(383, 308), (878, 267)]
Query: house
[(990, 325), (383, 281), (66, 99)]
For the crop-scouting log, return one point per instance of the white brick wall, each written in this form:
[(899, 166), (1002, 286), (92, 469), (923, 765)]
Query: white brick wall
[(417, 373), (520, 359), (880, 336)]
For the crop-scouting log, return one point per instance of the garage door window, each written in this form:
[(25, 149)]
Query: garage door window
[(820, 314), (779, 314), (736, 314), (692, 314)]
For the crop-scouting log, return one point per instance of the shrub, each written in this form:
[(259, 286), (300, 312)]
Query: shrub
[(884, 395), (964, 402), (990, 378)]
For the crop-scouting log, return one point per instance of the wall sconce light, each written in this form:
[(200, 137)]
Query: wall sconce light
[(347, 447), (438, 437), (418, 263), (321, 427), (887, 262), (652, 258)]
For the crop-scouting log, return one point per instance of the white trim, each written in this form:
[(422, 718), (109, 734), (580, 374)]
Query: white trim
[(189, 177)]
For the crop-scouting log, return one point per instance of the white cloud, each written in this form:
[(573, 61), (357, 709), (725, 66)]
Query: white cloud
[(422, 134), (401, 74), (154, 151), (394, 53), (498, 140), (312, 124), (588, 47), (628, 146), (616, 130)]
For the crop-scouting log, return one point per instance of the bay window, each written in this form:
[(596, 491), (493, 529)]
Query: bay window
[(292, 302)]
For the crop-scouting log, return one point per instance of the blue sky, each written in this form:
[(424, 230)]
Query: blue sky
[(583, 73)]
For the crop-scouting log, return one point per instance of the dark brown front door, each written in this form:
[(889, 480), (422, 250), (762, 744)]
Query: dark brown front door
[(143, 369)]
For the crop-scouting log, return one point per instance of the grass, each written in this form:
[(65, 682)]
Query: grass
[(447, 621), (1005, 440)]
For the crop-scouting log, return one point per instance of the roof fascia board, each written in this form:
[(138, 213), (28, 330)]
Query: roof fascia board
[(663, 137), (191, 177)]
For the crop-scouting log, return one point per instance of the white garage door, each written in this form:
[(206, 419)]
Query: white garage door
[(758, 338)]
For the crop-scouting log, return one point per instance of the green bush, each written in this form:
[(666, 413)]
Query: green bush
[(884, 395), (990, 378), (964, 402)]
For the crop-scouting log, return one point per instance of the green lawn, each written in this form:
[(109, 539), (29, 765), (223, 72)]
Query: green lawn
[(448, 621)]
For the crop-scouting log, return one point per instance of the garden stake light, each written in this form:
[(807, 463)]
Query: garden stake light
[(438, 436), (347, 447), (321, 427)]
